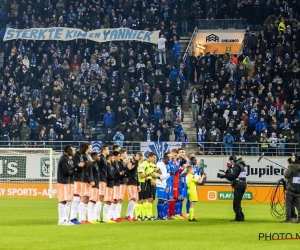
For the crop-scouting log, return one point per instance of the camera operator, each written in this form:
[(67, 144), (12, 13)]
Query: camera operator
[(292, 174), (236, 174)]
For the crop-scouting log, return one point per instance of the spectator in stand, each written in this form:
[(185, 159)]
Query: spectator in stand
[(242, 138), (148, 136), (176, 53), (119, 138), (193, 98), (228, 143), (109, 118), (213, 135), (254, 139), (177, 130), (157, 114), (168, 116), (108, 138), (273, 144), (252, 45), (260, 125), (161, 44)]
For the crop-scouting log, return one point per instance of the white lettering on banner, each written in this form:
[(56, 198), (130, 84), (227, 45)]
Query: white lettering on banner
[(262, 171), (296, 180), (246, 196), (22, 192), (67, 34), (2, 191), (26, 192), (226, 195), (12, 168)]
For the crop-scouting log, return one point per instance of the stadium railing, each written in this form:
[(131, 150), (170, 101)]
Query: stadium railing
[(203, 148), (207, 24), (190, 47)]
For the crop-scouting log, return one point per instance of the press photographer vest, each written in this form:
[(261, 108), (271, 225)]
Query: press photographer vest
[(240, 175), (295, 185)]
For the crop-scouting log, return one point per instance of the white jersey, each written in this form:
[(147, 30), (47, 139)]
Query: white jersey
[(162, 181), (161, 43)]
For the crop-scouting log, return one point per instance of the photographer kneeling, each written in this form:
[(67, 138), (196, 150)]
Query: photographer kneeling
[(236, 174)]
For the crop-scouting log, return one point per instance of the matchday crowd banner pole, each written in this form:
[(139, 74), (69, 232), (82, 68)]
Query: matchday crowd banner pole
[(67, 34)]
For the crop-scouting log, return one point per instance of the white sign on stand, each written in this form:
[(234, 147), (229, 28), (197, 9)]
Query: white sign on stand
[(263, 171)]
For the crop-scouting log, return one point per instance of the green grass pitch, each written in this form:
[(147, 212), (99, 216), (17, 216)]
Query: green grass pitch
[(32, 224)]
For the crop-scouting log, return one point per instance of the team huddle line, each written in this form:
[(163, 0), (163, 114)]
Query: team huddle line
[(90, 184)]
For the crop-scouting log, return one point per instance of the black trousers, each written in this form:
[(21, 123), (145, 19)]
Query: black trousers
[(291, 197), (237, 201), (293, 212)]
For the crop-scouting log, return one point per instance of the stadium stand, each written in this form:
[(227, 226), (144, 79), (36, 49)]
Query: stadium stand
[(82, 90)]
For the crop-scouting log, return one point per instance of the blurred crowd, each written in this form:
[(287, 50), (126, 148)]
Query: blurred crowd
[(132, 91)]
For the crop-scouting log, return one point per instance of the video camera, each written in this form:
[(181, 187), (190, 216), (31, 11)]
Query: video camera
[(221, 176)]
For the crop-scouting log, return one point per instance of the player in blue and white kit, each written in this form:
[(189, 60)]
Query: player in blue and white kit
[(177, 167), (174, 180), (168, 189), (182, 185), (161, 185)]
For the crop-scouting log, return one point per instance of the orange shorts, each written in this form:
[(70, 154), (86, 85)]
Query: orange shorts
[(102, 187), (116, 194), (87, 189), (94, 195), (108, 194), (71, 191), (62, 192), (132, 192), (123, 189), (78, 188)]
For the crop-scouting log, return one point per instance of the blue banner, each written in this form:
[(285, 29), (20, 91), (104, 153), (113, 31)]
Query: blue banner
[(158, 148), (96, 145)]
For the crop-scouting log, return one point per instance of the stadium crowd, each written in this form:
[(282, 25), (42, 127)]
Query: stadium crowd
[(252, 98), (61, 91)]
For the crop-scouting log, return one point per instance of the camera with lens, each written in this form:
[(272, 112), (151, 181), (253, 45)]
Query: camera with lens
[(221, 176)]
